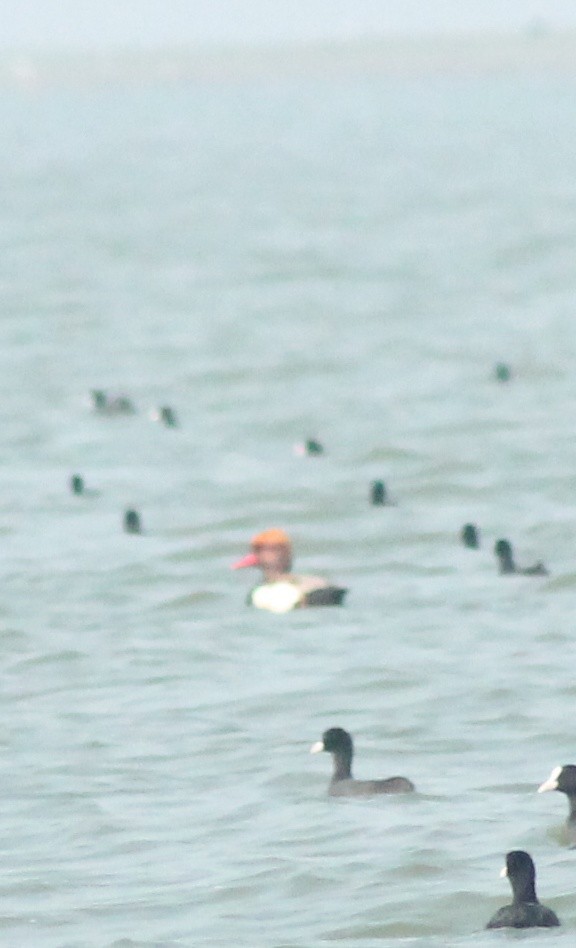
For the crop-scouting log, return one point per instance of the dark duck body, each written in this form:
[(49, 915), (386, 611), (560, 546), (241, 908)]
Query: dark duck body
[(281, 589), (525, 910), (107, 404), (470, 536), (379, 496), (132, 522), (564, 780), (338, 742), (310, 448), (502, 372), (78, 487), (507, 565), (166, 415)]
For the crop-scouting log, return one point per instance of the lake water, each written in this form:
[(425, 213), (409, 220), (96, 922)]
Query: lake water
[(277, 260)]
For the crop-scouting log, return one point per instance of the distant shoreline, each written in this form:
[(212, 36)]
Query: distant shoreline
[(535, 51)]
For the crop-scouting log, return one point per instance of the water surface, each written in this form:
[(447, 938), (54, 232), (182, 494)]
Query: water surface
[(279, 260)]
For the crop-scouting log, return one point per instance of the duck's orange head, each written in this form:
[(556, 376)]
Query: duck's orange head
[(273, 543)]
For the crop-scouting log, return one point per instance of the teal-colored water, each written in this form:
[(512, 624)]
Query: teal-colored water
[(283, 260)]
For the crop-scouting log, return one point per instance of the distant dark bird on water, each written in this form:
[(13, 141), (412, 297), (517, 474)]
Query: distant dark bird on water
[(525, 910), (338, 742), (379, 496), (77, 484), (132, 522), (78, 487), (507, 566), (309, 448), (106, 404), (502, 372), (470, 536), (166, 415)]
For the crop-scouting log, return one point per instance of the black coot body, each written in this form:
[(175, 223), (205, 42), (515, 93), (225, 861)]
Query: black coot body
[(111, 404), (167, 416), (338, 742), (507, 566), (77, 484), (502, 372), (525, 910), (378, 494), (312, 447), (132, 522), (470, 536), (79, 489)]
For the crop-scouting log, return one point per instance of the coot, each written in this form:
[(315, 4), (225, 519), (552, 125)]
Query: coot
[(338, 742)]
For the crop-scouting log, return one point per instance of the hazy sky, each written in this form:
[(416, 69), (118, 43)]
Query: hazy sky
[(62, 23)]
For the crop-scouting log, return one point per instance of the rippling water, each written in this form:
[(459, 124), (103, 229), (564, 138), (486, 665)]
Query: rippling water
[(278, 261)]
